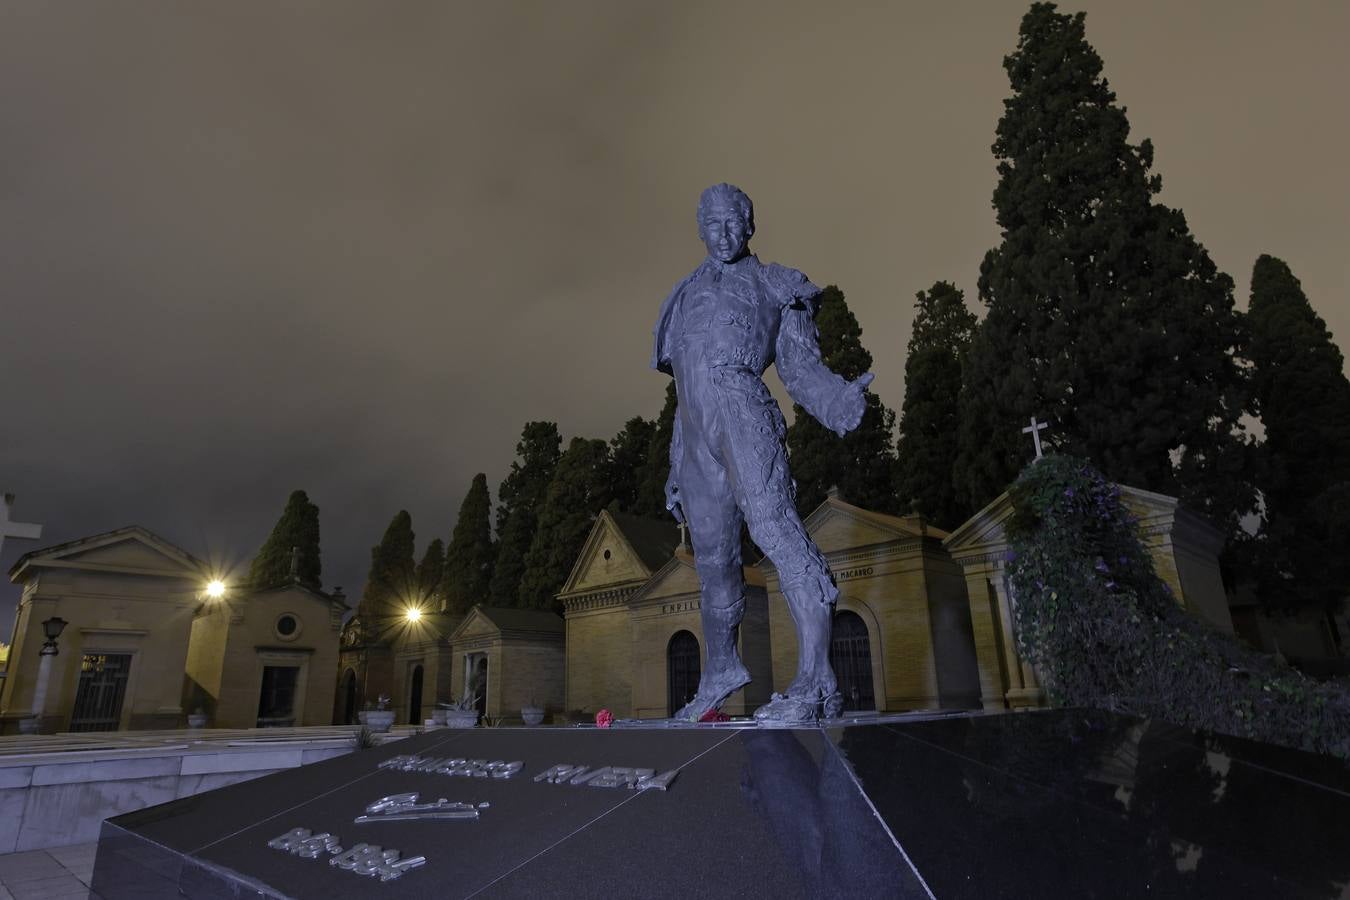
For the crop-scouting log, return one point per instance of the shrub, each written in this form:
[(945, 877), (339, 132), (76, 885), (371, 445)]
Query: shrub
[(1103, 630)]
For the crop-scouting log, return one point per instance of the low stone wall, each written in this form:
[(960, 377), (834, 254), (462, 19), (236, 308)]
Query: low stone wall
[(56, 790)]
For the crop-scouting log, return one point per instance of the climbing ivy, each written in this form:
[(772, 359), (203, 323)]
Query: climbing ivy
[(1103, 630)]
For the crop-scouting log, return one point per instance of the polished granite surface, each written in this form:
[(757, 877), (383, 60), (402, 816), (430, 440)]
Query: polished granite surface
[(1080, 803), (1040, 804)]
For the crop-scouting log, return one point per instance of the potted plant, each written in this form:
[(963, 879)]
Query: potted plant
[(532, 713), (381, 718), (464, 712)]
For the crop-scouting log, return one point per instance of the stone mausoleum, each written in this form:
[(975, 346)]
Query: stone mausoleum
[(923, 620), (144, 645)]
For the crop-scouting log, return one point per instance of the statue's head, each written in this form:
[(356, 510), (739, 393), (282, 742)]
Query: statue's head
[(726, 221)]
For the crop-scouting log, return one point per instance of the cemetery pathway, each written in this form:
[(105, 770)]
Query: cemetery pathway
[(63, 872)]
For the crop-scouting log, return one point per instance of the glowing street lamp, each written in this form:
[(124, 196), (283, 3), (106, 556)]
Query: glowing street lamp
[(413, 615), (215, 589)]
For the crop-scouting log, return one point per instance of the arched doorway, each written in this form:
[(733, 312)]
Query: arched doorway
[(415, 696), (682, 670), (349, 697), (480, 680), (851, 659)]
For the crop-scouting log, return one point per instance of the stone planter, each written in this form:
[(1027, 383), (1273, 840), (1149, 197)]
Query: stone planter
[(461, 718), (532, 715), (438, 715), (379, 720), (361, 716), (196, 720), (30, 725)]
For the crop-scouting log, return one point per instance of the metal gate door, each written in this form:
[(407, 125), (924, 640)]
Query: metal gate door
[(103, 687), (851, 659), (682, 670)]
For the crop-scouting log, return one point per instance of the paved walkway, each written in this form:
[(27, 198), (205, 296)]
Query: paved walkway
[(42, 874)]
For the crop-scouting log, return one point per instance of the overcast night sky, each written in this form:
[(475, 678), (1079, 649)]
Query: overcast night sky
[(353, 247)]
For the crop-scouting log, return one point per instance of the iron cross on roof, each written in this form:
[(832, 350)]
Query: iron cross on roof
[(1035, 429), (22, 530)]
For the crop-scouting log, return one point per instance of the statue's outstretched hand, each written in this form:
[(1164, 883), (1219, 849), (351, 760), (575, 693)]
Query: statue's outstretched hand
[(673, 499), (847, 410)]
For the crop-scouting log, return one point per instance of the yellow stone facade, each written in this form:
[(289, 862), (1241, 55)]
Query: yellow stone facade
[(129, 598), (523, 654), (1185, 550), (235, 641), (933, 626), (144, 646)]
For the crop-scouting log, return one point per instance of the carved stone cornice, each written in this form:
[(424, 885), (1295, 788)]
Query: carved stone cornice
[(597, 600)]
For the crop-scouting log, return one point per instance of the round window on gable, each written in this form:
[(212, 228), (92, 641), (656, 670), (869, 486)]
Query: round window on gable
[(607, 553), (287, 627)]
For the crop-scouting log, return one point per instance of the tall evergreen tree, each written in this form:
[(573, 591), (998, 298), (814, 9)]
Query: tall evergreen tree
[(1105, 315), (628, 460), (651, 480), (927, 445), (860, 463), (430, 571), (297, 528), (469, 557), (1303, 398), (577, 493), (518, 500), (392, 583)]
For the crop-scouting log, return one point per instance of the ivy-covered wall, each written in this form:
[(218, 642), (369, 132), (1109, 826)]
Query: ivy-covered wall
[(1103, 630)]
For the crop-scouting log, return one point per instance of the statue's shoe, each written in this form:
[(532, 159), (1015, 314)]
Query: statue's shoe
[(788, 709), (712, 693)]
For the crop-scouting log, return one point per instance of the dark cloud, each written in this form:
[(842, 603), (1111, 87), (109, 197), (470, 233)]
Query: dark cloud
[(353, 247)]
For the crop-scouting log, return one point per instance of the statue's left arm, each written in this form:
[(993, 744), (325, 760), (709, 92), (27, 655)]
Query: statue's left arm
[(835, 402)]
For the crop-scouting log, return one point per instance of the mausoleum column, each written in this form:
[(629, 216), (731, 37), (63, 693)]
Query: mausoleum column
[(989, 660), (1023, 688)]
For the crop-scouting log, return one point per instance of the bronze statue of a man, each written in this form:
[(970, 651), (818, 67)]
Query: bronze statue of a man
[(716, 334)]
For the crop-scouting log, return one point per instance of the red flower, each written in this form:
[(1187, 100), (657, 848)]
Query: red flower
[(604, 718), (714, 715)]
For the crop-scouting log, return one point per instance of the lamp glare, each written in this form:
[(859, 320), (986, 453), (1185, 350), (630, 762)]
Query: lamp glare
[(216, 589)]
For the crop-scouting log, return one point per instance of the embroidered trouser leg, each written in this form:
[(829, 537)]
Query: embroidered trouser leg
[(742, 472)]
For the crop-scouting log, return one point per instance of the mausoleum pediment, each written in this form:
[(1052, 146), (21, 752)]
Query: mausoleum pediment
[(676, 577), (132, 551), (621, 549), (836, 525)]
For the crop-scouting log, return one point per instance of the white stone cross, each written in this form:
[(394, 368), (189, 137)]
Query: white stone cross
[(1035, 428), (22, 530)]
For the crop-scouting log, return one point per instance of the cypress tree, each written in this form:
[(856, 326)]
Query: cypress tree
[(468, 558), (860, 463), (518, 500), (651, 480), (392, 583), (430, 571), (927, 445), (298, 527), (628, 460), (1303, 398), (577, 493), (1105, 316)]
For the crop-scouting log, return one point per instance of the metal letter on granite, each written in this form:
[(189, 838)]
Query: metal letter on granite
[(372, 860), (363, 859), (404, 807), (608, 776), (469, 768)]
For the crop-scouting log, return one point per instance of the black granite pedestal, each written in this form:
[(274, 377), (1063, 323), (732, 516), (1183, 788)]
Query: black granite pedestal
[(1064, 803)]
